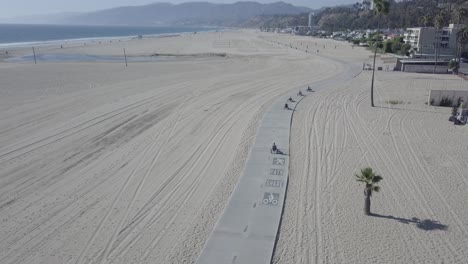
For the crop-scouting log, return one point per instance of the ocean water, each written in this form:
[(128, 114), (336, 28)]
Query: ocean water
[(11, 34)]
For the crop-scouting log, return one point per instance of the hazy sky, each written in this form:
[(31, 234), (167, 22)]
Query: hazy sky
[(14, 8)]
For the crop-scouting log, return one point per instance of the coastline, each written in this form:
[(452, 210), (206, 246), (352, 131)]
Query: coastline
[(83, 39), (17, 50)]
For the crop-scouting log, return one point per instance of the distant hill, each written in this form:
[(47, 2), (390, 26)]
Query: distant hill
[(193, 14)]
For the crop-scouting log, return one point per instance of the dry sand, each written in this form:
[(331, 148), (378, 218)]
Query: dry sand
[(105, 164), (420, 215)]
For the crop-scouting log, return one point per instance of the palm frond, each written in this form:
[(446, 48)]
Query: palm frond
[(367, 172), (377, 178), (381, 7), (385, 8), (369, 177)]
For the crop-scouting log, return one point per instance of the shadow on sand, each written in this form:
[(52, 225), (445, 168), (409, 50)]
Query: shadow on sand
[(290, 109), (411, 110), (279, 152), (425, 224)]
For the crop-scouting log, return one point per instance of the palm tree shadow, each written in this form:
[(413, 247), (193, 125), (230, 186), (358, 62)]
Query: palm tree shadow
[(425, 224)]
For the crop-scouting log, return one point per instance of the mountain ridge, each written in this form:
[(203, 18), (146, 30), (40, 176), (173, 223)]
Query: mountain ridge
[(186, 14)]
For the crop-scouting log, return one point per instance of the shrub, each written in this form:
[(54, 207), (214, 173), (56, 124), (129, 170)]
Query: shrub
[(405, 49), (454, 65), (447, 102), (394, 102), (387, 47), (454, 111), (396, 46)]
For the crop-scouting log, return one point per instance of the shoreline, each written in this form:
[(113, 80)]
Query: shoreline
[(27, 44), (58, 57), (17, 51)]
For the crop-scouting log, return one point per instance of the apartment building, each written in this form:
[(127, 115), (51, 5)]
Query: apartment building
[(423, 41)]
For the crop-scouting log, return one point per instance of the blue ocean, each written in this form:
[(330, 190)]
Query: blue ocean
[(18, 34)]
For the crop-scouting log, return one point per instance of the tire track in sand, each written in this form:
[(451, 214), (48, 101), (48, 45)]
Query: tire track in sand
[(142, 182), (117, 197)]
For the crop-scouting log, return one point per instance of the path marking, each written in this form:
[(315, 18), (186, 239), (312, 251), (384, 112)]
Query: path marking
[(279, 161), (274, 183), (278, 172), (270, 198)]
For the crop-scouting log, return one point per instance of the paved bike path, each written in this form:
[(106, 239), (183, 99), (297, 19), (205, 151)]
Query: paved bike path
[(247, 230)]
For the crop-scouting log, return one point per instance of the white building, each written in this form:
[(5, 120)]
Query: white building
[(423, 40), (367, 5), (311, 14)]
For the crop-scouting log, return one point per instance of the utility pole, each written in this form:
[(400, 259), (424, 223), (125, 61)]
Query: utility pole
[(373, 74), (125, 56), (34, 53)]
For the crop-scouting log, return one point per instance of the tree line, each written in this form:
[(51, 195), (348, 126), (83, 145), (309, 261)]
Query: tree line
[(403, 14)]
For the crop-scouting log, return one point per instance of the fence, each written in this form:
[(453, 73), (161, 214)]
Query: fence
[(436, 96)]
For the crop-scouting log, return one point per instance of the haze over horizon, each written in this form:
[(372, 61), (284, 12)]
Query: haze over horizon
[(19, 8)]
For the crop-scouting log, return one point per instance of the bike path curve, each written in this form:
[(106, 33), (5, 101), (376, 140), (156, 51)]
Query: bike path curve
[(247, 230)]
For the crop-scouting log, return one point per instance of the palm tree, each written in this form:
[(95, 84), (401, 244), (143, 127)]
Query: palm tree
[(381, 7), (460, 14), (438, 21), (371, 180), (358, 7), (425, 21)]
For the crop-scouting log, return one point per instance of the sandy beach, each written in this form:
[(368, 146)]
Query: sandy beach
[(102, 163)]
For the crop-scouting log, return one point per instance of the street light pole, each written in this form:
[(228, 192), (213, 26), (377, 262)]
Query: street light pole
[(373, 74), (34, 53)]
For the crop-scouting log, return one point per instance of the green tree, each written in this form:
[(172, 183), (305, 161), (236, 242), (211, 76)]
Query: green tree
[(460, 14), (425, 20), (396, 46), (399, 39), (403, 14), (405, 48), (387, 46), (371, 180), (381, 7), (454, 66)]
